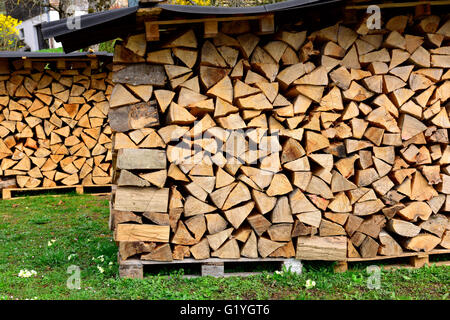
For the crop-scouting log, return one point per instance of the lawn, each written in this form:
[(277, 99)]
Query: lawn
[(48, 234)]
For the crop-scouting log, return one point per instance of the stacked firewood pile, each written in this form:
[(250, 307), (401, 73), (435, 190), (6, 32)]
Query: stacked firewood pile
[(320, 145), (53, 123)]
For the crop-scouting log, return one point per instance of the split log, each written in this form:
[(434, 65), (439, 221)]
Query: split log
[(318, 248), (403, 228), (422, 242), (388, 247), (135, 232)]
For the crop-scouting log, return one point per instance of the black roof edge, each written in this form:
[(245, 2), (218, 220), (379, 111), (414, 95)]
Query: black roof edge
[(103, 26), (93, 33), (273, 7), (61, 27)]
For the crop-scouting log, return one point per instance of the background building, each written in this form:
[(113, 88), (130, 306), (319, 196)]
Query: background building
[(33, 13)]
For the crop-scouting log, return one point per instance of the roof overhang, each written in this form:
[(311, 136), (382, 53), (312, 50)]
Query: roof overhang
[(103, 26)]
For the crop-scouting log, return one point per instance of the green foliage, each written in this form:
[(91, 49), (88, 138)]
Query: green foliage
[(48, 234), (59, 50), (107, 46)]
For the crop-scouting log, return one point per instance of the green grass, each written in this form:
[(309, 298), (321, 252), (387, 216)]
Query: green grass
[(79, 226), (107, 46), (60, 50)]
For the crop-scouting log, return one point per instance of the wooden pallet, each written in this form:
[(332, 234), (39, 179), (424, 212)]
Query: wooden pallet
[(211, 24), (415, 260), (7, 193), (134, 268)]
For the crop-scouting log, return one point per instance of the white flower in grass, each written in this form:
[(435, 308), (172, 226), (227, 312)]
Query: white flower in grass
[(100, 269), (310, 284), (101, 258), (72, 256), (26, 273), (51, 242)]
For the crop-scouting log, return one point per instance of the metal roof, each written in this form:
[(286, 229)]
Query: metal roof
[(108, 25), (51, 55), (94, 28), (210, 10), (62, 27)]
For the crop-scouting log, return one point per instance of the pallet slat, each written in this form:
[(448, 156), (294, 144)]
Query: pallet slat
[(214, 267), (7, 193)]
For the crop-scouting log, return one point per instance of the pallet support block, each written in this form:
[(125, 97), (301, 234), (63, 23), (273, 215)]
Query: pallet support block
[(340, 266), (213, 269), (79, 190), (132, 270), (6, 193), (419, 261)]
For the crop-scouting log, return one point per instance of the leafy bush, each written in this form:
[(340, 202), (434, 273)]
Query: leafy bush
[(9, 39)]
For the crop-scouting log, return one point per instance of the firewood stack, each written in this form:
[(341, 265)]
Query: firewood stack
[(53, 123), (316, 145)]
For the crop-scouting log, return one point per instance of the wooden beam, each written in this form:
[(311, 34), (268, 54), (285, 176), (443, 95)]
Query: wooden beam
[(201, 20), (266, 24), (405, 254)]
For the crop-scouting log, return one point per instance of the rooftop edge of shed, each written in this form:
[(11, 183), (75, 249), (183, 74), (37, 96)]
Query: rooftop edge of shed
[(79, 32)]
